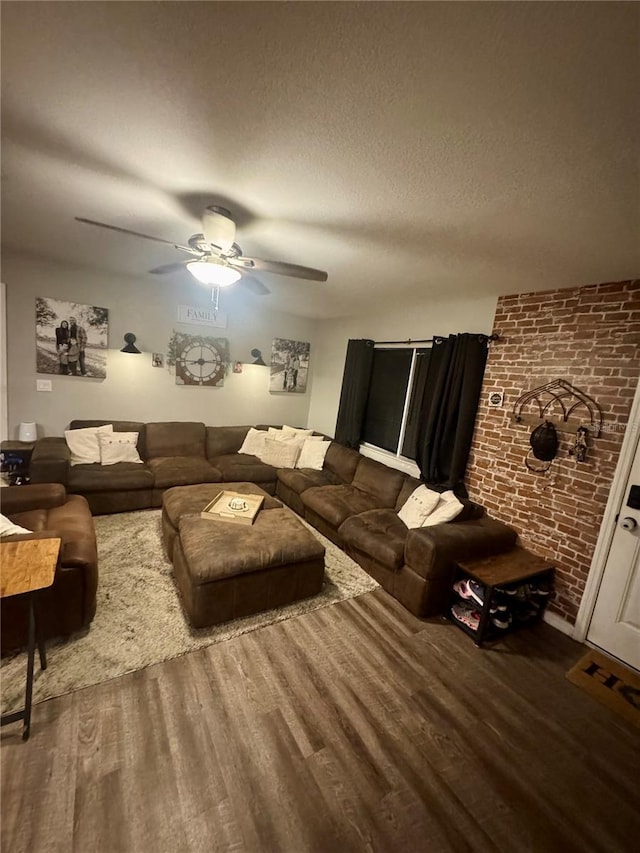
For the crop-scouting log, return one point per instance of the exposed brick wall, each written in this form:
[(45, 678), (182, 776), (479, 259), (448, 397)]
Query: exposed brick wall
[(590, 337)]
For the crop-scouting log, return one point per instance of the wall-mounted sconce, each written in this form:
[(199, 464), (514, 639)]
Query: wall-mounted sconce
[(130, 341), (257, 357)]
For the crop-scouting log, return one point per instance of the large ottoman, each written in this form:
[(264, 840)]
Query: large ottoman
[(225, 570)]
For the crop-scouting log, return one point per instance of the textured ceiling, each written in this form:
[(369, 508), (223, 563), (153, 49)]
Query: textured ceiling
[(412, 150)]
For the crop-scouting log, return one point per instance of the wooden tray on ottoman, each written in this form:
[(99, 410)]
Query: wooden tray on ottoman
[(221, 508)]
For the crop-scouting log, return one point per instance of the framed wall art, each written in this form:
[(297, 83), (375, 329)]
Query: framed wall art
[(289, 366), (71, 338)]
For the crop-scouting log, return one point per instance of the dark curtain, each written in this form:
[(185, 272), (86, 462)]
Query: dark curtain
[(449, 407), (355, 389)]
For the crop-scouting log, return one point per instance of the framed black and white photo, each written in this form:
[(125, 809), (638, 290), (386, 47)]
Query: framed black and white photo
[(157, 359), (289, 366), (71, 338)]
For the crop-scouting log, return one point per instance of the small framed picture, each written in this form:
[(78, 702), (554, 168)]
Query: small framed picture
[(157, 359), (237, 367)]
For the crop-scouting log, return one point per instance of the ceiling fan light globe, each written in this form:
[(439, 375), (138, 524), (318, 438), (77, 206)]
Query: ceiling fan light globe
[(211, 273)]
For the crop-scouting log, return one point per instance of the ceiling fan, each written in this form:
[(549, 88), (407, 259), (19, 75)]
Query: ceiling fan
[(216, 259)]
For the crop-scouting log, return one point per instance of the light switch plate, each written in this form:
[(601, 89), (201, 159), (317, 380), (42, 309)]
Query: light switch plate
[(43, 385)]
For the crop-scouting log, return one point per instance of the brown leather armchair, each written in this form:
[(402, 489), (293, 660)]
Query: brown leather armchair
[(70, 603)]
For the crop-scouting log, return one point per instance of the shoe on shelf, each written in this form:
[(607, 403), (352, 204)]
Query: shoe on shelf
[(539, 589), (462, 589), (519, 593), (502, 620), (471, 590), (466, 614)]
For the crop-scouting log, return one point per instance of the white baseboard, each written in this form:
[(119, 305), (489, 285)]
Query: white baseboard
[(558, 622)]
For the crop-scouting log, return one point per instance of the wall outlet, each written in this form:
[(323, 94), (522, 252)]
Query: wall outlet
[(43, 385)]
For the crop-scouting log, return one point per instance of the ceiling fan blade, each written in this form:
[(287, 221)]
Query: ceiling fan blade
[(279, 268), (254, 285), (138, 234), (166, 268)]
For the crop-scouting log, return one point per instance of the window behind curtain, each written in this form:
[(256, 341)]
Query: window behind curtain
[(389, 396)]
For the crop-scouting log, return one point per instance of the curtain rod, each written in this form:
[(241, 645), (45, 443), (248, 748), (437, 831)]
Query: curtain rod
[(429, 340)]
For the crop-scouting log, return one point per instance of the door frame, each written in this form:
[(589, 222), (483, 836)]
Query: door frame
[(608, 527)]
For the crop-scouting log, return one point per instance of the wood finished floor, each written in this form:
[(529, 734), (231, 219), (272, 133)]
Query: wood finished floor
[(353, 728)]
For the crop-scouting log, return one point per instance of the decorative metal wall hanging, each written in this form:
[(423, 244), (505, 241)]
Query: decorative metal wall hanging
[(560, 402)]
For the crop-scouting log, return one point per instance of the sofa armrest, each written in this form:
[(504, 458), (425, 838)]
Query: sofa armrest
[(432, 551), (24, 498), (50, 461)]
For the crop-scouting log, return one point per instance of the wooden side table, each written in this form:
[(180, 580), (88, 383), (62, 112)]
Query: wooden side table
[(509, 569), (27, 566)]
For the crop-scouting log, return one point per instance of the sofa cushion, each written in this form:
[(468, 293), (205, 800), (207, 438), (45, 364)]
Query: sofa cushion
[(118, 426), (223, 440), (109, 478), (241, 467), (378, 480), (182, 471), (378, 533), (215, 550), (336, 503), (175, 438), (342, 461), (301, 479)]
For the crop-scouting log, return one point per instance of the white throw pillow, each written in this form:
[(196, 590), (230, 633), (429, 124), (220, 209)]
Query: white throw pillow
[(118, 447), (417, 506), (254, 442), (448, 508), (8, 528), (297, 431), (281, 453), (84, 444), (278, 434), (313, 453)]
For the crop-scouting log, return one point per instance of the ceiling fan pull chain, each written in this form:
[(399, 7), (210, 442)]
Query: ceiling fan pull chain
[(215, 295)]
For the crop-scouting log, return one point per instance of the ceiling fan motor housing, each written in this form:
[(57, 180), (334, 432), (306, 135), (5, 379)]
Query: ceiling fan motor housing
[(219, 228)]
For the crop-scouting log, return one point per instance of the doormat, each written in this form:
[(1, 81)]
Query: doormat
[(610, 682)]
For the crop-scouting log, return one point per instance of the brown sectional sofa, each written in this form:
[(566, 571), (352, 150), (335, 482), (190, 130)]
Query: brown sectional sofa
[(353, 500)]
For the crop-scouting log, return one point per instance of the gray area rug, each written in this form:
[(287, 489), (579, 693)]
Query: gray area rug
[(139, 619)]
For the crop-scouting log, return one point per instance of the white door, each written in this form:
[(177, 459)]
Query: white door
[(615, 624)]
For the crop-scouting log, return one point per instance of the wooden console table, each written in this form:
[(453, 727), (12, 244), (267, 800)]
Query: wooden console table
[(27, 566)]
